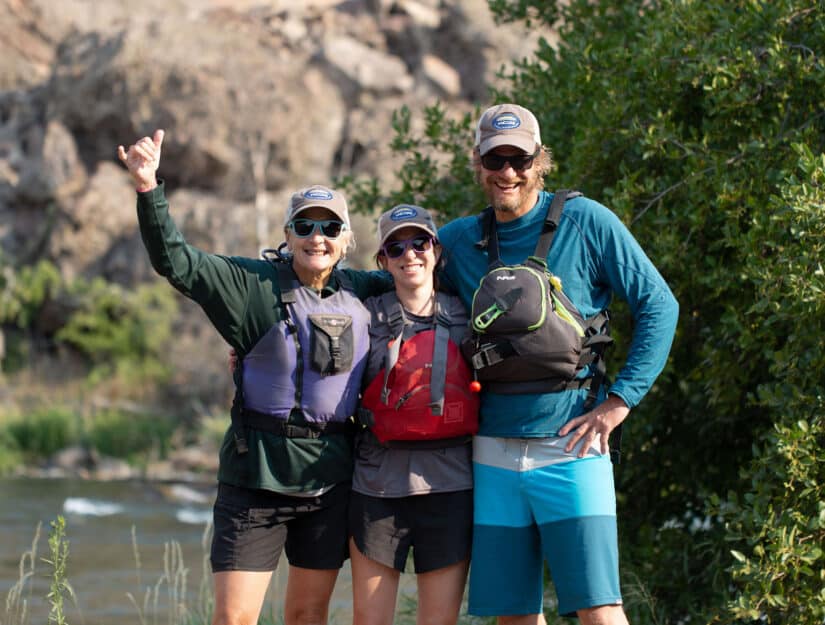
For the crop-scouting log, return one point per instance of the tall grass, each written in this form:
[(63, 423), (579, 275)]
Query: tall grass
[(172, 585), (166, 601), (19, 595)]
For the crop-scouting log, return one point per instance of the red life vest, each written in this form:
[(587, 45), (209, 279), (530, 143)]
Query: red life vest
[(425, 395)]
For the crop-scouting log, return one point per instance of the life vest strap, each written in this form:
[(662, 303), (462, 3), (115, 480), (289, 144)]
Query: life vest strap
[(538, 386), (268, 423), (435, 443)]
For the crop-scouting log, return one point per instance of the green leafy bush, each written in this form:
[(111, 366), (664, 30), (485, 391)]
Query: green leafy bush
[(121, 329), (23, 293), (122, 332), (127, 435), (42, 432)]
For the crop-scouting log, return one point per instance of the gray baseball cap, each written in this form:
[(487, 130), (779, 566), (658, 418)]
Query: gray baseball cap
[(507, 124), (318, 195), (403, 216)]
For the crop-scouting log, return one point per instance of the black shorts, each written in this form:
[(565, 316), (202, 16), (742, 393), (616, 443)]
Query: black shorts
[(438, 527), (253, 526)]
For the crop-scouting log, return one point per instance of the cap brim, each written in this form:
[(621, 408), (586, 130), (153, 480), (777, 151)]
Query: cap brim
[(526, 144), (401, 225), (308, 206)]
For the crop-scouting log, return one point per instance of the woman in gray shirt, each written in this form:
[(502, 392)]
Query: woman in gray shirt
[(413, 494)]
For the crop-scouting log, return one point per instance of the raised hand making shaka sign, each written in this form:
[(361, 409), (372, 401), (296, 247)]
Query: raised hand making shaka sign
[(142, 160)]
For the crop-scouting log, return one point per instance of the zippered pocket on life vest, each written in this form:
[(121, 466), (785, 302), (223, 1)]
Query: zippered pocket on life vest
[(510, 299)]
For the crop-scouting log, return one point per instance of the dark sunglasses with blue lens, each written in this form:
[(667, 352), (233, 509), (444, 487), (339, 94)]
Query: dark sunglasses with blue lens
[(395, 249), (520, 162), (330, 228)]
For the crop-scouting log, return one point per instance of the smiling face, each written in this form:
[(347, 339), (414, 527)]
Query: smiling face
[(315, 256), (412, 270), (511, 192)]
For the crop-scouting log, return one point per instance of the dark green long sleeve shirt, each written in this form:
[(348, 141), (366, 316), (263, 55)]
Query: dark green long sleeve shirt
[(241, 298)]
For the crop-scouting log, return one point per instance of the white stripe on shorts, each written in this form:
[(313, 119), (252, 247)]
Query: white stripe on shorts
[(526, 454)]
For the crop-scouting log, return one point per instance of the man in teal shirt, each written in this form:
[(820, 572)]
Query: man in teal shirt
[(542, 473)]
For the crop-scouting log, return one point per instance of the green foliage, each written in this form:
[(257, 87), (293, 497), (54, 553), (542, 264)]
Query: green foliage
[(528, 11), (23, 293), (777, 529), (126, 435), (59, 586), (22, 296), (702, 124), (121, 329), (438, 173), (42, 432)]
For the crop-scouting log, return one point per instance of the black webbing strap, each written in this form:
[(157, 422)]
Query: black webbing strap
[(551, 223), (489, 232), (490, 236), (486, 219), (598, 340), (236, 412), (436, 443), (268, 423), (286, 283), (550, 385)]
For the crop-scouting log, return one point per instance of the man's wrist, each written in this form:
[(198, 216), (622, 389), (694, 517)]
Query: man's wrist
[(619, 399)]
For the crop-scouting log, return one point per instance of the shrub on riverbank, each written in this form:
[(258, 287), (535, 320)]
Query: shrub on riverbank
[(35, 437)]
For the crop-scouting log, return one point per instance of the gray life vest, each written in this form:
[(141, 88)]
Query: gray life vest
[(528, 337)]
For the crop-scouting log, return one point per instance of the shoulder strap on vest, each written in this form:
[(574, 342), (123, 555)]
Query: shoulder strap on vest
[(286, 281), (551, 222), (396, 320), (489, 236), (438, 374), (394, 312)]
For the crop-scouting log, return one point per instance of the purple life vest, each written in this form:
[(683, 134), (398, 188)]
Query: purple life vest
[(311, 361)]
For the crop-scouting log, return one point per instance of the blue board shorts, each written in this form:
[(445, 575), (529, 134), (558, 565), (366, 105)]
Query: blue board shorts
[(535, 502)]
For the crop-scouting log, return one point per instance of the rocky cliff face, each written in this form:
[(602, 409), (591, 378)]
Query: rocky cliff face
[(257, 99)]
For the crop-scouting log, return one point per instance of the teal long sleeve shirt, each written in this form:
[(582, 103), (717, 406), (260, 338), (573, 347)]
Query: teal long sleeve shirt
[(596, 258)]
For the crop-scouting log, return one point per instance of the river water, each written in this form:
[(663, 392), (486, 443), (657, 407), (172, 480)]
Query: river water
[(101, 520)]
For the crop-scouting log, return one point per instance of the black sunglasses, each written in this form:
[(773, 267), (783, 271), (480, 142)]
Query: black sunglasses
[(395, 249), (521, 162), (330, 228)]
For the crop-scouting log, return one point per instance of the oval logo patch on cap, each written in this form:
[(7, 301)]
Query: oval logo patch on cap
[(506, 121), (403, 212), (318, 194)]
